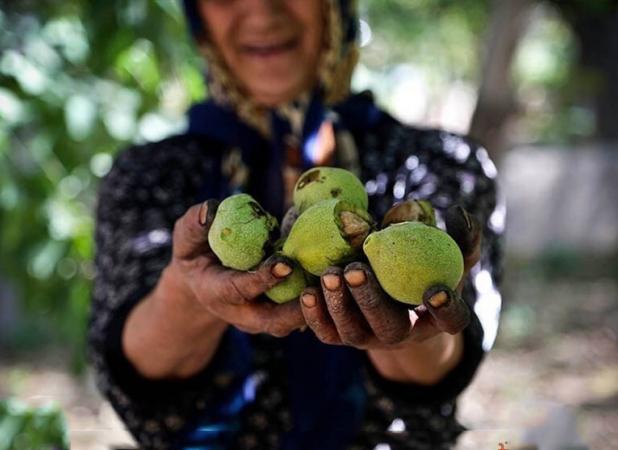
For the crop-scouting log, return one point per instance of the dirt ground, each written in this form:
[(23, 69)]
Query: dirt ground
[(551, 381), (552, 378)]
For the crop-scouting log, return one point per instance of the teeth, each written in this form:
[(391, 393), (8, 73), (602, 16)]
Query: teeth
[(269, 48), (266, 48)]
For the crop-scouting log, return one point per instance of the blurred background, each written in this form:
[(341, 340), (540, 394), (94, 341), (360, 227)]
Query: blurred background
[(535, 81)]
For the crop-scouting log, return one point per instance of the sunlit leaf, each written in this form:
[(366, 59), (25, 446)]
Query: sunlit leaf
[(11, 107), (80, 113), (69, 35)]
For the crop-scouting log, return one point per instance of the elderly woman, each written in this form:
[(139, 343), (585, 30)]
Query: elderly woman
[(191, 354)]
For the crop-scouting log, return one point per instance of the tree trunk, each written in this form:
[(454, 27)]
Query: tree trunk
[(496, 102)]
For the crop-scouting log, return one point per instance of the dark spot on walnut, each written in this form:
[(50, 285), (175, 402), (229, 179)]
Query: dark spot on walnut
[(258, 211), (336, 192), (313, 176)]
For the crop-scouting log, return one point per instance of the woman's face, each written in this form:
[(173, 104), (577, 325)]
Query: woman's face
[(271, 47)]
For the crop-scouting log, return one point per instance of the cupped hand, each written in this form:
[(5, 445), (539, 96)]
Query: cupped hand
[(233, 296), (350, 307)]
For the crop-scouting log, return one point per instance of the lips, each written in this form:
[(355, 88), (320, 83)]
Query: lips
[(270, 48)]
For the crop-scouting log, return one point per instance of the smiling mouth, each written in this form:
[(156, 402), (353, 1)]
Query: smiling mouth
[(270, 49)]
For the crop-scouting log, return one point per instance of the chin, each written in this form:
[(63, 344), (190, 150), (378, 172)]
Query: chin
[(277, 92), (272, 88)]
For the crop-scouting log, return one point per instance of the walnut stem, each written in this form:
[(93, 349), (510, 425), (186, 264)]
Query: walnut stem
[(409, 211), (355, 228)]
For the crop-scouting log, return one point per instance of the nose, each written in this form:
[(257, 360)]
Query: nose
[(263, 14)]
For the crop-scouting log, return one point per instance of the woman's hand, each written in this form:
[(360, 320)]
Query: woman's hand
[(351, 308), (195, 300), (233, 296)]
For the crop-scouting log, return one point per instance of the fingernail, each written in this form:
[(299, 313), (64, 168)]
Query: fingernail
[(309, 300), (466, 217), (438, 299), (203, 215), (331, 282), (281, 270), (355, 277)]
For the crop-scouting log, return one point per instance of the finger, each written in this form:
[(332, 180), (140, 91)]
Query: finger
[(244, 287), (190, 235), (351, 325), (263, 317), (288, 220), (448, 311), (278, 320), (465, 229), (423, 325), (388, 319), (317, 317)]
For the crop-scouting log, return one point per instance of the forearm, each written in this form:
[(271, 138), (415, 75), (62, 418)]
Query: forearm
[(424, 362), (169, 334)]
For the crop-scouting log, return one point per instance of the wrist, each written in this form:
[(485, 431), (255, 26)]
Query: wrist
[(425, 362), (174, 300), (173, 293), (172, 321)]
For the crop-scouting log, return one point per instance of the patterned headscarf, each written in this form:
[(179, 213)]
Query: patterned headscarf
[(337, 61)]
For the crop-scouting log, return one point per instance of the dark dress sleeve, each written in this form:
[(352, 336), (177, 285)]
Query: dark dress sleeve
[(147, 189), (400, 162)]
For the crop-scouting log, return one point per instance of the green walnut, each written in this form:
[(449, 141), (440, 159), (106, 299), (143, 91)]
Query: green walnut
[(410, 211), (330, 232), (325, 183), (410, 257), (290, 288), (242, 232)]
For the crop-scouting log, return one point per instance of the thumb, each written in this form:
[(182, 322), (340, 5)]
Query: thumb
[(465, 229), (251, 284), (190, 237)]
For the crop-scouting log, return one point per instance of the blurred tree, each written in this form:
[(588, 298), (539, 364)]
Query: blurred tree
[(443, 35), (496, 98), (595, 24), (588, 95), (420, 50), (78, 81)]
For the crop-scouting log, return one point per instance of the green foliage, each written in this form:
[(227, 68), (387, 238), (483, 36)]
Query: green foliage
[(79, 80), (24, 428), (443, 36)]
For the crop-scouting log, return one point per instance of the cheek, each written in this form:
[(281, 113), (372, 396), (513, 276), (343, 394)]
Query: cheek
[(219, 23), (310, 17)]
